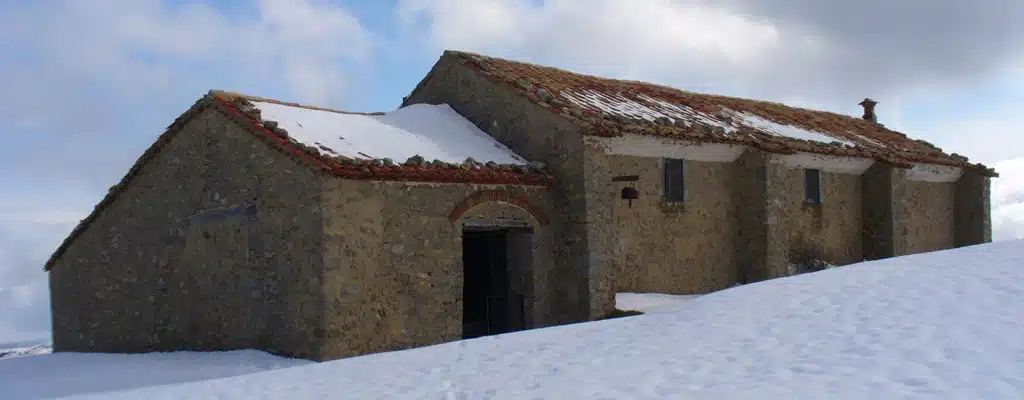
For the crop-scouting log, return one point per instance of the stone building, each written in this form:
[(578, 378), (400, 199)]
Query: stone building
[(501, 196)]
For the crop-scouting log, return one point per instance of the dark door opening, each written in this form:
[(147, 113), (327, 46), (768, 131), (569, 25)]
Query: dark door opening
[(490, 304)]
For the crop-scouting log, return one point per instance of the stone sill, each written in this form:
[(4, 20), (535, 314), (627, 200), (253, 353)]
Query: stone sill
[(672, 206)]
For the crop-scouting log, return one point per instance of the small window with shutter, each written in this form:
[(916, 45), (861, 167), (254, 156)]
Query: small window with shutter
[(812, 186), (675, 183)]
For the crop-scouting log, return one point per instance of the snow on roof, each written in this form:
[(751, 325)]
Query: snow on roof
[(430, 131), (937, 325), (790, 131), (651, 109), (617, 104)]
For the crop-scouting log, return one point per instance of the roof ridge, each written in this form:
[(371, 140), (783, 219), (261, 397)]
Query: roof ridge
[(231, 96)]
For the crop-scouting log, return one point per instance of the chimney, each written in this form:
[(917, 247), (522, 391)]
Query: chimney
[(869, 110)]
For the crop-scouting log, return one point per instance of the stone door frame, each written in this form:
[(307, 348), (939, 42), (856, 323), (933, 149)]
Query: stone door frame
[(499, 209)]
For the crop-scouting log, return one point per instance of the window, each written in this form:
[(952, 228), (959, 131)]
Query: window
[(812, 186), (675, 183)]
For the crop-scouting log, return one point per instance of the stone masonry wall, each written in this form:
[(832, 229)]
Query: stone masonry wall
[(684, 248), (742, 221), (973, 209), (761, 191), (536, 134), (880, 208), (930, 219), (778, 187), (831, 229), (775, 224), (394, 263), (215, 244), (771, 221), (603, 251), (749, 189)]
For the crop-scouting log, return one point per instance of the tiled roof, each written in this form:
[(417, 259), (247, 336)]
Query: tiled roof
[(415, 168), (240, 108), (611, 107)]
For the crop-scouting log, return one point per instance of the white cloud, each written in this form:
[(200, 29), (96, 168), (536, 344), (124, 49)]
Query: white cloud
[(986, 127), (636, 37), (139, 47), (309, 40), (42, 217), (29, 232), (811, 53), (1008, 200), (988, 137)]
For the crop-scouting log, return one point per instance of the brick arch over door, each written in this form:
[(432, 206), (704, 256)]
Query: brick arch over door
[(498, 196)]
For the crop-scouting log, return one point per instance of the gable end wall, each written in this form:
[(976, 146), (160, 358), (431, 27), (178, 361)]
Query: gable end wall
[(214, 244)]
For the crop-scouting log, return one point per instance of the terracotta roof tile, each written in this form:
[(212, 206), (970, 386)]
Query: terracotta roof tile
[(611, 107)]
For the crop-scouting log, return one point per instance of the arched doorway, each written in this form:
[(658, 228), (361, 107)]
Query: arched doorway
[(499, 241)]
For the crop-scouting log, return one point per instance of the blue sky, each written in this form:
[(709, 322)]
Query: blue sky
[(87, 86)]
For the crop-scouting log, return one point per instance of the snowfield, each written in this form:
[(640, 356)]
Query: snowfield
[(68, 374), (938, 325), (36, 350), (650, 302)]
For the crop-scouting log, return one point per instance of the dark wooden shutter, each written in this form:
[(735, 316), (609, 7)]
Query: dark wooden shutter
[(675, 185), (812, 186)]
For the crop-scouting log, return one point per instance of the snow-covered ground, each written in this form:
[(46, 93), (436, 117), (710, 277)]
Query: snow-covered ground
[(938, 325), (650, 302), (23, 351), (66, 374)]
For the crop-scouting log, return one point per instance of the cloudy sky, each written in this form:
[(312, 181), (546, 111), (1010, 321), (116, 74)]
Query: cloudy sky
[(88, 85)]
